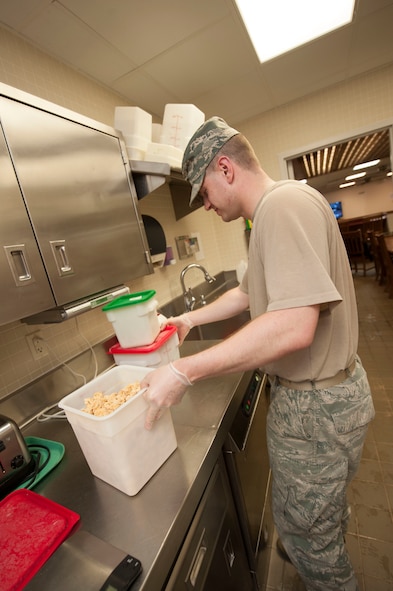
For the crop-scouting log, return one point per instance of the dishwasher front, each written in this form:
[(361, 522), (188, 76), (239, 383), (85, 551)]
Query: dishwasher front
[(247, 463), (213, 555)]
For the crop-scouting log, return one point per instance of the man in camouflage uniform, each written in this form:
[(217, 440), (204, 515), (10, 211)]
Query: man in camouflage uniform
[(303, 333)]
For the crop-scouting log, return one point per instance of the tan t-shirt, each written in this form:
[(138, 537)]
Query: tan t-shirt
[(297, 258)]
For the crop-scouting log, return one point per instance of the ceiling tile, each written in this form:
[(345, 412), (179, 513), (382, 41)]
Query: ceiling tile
[(308, 68), (144, 92), (65, 37), (211, 58), (142, 30), (377, 50), (366, 7), (17, 13), (237, 102)]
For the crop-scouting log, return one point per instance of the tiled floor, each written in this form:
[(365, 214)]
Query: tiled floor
[(370, 537)]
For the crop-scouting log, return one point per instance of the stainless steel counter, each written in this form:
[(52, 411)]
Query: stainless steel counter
[(152, 524)]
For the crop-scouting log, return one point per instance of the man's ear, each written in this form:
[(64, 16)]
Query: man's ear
[(226, 166)]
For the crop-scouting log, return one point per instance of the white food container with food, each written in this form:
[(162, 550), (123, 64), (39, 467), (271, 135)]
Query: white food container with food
[(163, 350), (117, 447), (134, 318)]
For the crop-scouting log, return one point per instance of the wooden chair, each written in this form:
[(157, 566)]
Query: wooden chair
[(372, 242), (354, 244), (388, 264)]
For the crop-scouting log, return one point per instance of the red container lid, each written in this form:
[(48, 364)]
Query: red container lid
[(162, 338)]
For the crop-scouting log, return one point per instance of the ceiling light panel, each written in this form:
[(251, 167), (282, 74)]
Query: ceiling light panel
[(345, 156), (366, 164), (357, 175), (277, 26)]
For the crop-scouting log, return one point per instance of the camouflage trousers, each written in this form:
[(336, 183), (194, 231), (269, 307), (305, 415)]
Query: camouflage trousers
[(315, 440)]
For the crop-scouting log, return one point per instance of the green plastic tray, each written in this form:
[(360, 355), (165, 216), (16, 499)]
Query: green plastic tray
[(56, 450)]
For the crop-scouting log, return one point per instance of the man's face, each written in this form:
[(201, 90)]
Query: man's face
[(218, 195)]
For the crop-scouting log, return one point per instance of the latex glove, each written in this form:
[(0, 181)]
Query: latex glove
[(162, 321), (165, 387), (183, 325)]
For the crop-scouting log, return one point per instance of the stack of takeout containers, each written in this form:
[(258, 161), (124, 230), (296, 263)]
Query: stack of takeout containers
[(155, 142), (136, 323), (136, 127)]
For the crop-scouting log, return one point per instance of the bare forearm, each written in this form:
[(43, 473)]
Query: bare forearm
[(260, 342), (268, 337)]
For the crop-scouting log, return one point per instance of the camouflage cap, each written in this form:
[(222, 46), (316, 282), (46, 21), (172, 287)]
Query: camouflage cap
[(201, 149)]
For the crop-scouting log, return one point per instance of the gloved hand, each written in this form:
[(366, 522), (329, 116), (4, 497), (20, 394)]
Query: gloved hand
[(165, 387), (183, 325)]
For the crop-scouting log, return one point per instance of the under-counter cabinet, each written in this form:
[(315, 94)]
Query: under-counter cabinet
[(213, 556)]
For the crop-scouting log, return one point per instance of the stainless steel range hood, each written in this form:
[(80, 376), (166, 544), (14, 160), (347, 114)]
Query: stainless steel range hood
[(150, 176)]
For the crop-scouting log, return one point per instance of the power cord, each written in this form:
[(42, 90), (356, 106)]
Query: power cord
[(88, 344), (46, 415)]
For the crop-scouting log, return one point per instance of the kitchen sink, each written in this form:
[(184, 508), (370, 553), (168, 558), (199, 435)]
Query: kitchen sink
[(223, 328), (218, 330), (204, 294)]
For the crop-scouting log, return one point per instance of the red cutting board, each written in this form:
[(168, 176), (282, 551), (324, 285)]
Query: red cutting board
[(31, 528)]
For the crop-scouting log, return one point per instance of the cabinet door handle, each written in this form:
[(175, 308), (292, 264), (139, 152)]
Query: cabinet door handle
[(229, 551), (17, 260), (61, 257), (197, 564)]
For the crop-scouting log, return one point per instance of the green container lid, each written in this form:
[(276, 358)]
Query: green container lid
[(129, 299)]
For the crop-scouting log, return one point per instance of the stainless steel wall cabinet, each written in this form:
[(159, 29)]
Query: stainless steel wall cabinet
[(70, 226)]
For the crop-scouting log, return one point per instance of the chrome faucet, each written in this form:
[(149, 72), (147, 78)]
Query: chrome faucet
[(189, 298)]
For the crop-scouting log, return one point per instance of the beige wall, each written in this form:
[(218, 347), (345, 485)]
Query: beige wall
[(364, 199), (340, 109)]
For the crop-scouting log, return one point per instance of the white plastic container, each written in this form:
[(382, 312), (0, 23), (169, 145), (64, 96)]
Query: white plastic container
[(179, 124), (134, 318), (117, 447), (136, 127), (156, 152), (156, 130), (135, 153), (164, 349)]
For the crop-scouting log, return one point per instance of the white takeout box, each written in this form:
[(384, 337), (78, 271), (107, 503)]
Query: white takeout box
[(117, 447)]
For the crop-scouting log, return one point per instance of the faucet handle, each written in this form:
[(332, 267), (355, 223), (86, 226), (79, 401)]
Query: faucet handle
[(189, 300)]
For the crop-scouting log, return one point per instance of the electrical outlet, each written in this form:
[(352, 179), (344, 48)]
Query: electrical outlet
[(37, 345)]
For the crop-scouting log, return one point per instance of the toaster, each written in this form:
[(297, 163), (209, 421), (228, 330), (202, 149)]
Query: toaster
[(16, 462)]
